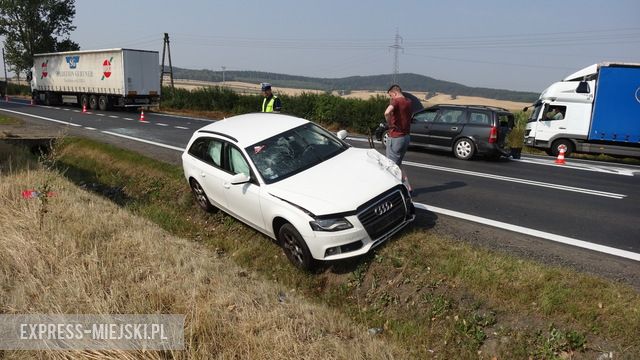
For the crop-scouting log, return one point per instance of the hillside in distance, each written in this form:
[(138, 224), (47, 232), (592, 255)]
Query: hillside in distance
[(408, 81)]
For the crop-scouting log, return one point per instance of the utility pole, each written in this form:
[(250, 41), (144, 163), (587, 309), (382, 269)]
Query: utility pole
[(223, 69), (167, 48), (6, 80), (396, 55)]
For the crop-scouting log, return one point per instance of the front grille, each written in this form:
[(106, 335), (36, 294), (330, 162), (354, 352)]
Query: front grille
[(384, 215)]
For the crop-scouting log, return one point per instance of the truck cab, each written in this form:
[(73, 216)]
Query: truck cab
[(594, 110), (546, 129)]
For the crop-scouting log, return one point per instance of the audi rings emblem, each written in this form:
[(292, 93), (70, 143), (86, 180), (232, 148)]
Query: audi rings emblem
[(383, 208)]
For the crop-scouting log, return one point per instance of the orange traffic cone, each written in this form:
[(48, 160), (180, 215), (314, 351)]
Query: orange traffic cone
[(142, 115), (84, 108), (561, 150)]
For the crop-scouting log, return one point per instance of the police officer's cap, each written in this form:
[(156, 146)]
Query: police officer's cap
[(265, 86)]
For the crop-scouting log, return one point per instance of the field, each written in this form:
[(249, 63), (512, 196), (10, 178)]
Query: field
[(248, 88)]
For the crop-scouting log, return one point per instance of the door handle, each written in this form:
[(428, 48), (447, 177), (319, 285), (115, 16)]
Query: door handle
[(454, 128), (562, 128), (226, 185)]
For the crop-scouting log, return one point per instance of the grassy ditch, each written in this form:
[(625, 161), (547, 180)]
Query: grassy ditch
[(433, 296), (9, 120), (74, 252)]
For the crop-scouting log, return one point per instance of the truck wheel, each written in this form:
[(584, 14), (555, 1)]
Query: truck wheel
[(93, 102), (103, 103), (84, 100), (556, 145)]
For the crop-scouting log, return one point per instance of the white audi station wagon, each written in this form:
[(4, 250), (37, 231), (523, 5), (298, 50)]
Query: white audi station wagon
[(299, 184)]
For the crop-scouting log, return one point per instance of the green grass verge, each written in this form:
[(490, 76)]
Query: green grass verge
[(8, 120), (432, 295)]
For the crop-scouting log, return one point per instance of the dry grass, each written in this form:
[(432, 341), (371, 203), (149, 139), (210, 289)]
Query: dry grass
[(93, 257), (434, 296)]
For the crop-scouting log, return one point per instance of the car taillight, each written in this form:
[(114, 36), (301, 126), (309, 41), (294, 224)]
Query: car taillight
[(493, 136)]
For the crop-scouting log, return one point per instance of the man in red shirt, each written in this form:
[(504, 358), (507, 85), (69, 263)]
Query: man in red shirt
[(398, 115)]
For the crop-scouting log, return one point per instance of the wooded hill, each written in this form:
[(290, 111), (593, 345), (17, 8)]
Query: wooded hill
[(408, 81)]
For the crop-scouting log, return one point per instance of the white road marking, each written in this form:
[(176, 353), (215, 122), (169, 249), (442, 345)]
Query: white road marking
[(100, 114), (144, 121), (517, 180), (527, 231), (65, 109), (75, 110), (144, 141), (113, 116), (580, 161), (57, 108), (161, 124), (581, 166), (183, 117), (181, 127), (130, 119), (41, 117), (90, 128)]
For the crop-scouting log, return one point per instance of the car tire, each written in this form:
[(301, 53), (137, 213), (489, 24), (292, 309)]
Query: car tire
[(464, 149), (556, 145), (93, 102), (103, 103), (200, 196), (295, 248)]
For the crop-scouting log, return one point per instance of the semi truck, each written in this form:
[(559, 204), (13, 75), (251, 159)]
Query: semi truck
[(97, 79), (594, 110)]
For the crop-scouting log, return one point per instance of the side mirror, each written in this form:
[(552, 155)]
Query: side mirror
[(583, 88), (525, 108), (240, 178), (342, 134)]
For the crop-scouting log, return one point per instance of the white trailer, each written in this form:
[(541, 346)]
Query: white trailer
[(97, 79)]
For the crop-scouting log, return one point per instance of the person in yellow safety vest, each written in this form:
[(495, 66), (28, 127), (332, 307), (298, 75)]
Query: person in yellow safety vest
[(270, 103)]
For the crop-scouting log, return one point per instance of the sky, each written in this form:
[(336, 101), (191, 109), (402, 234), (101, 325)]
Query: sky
[(505, 44)]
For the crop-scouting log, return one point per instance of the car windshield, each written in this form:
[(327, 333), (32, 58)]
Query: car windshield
[(293, 151)]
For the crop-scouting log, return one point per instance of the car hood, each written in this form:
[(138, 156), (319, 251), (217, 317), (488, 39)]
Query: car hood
[(339, 184)]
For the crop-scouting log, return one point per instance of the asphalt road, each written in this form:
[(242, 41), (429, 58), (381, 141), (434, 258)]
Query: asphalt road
[(597, 203)]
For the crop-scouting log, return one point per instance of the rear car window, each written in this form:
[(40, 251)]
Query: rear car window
[(208, 150), (479, 118)]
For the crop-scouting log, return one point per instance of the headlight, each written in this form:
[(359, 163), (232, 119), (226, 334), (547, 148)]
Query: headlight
[(336, 224)]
